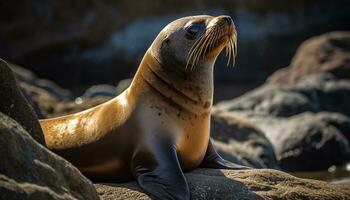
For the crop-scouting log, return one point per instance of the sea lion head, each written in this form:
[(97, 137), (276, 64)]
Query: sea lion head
[(195, 41)]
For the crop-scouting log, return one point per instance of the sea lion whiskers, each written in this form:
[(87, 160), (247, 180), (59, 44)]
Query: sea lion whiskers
[(233, 48), (201, 50), (193, 50), (209, 41), (228, 52), (196, 50)]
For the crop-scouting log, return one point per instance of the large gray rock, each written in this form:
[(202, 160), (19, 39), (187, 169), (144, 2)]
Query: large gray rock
[(329, 53), (30, 171), (307, 141), (307, 123), (13, 103), (315, 93), (233, 184)]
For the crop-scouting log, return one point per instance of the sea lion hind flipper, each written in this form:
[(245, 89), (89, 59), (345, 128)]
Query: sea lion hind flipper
[(213, 160), (158, 171)]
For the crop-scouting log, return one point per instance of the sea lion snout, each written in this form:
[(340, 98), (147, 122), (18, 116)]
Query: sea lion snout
[(220, 33), (227, 19), (223, 20), (223, 24)]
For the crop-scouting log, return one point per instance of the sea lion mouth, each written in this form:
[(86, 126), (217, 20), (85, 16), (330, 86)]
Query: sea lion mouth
[(220, 33)]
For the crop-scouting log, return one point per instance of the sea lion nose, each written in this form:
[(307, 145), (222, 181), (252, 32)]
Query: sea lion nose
[(227, 19)]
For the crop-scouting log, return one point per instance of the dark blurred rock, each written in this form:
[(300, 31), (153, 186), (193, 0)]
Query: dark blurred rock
[(50, 100), (13, 103), (30, 171), (28, 77), (48, 35), (307, 124), (234, 184), (241, 142), (46, 105), (319, 92), (99, 90), (326, 53), (43, 102), (70, 107), (123, 85)]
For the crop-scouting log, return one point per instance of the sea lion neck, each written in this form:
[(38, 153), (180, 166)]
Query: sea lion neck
[(192, 91)]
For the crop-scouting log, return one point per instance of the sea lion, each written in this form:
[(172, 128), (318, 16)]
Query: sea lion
[(159, 126)]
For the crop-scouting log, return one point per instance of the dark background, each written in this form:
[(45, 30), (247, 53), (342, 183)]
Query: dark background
[(83, 42)]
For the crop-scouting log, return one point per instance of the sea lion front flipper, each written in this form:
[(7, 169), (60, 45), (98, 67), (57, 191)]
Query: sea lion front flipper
[(213, 160), (158, 171)]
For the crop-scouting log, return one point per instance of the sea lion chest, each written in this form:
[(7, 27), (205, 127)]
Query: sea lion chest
[(193, 140), (190, 130)]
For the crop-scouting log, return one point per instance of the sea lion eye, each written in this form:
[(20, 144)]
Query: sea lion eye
[(192, 30)]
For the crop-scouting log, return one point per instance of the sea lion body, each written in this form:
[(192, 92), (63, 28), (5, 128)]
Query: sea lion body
[(159, 126), (138, 112)]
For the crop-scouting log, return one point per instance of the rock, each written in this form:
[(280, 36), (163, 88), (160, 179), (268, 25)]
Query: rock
[(27, 77), (47, 106), (30, 171), (123, 85), (233, 184), (307, 123), (319, 92), (43, 102), (328, 53), (70, 107), (307, 141), (50, 100), (100, 91), (241, 142), (13, 103)]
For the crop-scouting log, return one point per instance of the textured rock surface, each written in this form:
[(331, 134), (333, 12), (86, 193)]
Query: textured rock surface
[(13, 103), (307, 124), (329, 53), (30, 171), (307, 141), (231, 184)]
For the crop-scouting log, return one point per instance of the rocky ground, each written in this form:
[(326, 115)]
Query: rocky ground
[(247, 184), (296, 122)]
